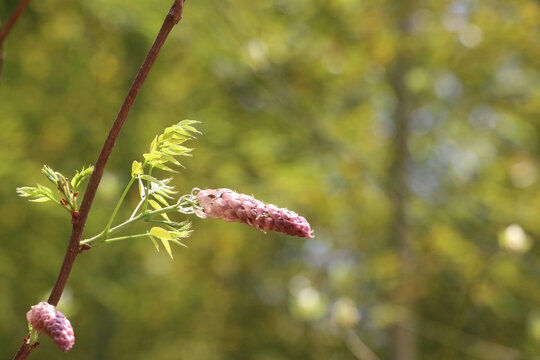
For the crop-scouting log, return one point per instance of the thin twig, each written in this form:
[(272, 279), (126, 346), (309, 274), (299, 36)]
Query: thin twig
[(12, 20), (79, 222)]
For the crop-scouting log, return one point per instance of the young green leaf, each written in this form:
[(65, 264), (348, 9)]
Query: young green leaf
[(39, 194), (153, 145), (52, 175), (152, 179), (160, 233), (154, 204), (136, 168), (164, 236), (68, 190), (80, 177), (166, 146), (167, 246), (160, 199), (166, 217), (163, 167), (154, 241)]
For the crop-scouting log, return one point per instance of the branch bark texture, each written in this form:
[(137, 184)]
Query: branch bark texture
[(79, 221)]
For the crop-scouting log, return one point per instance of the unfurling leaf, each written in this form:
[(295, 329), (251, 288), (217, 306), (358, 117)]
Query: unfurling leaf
[(80, 177), (37, 194), (52, 175), (68, 190)]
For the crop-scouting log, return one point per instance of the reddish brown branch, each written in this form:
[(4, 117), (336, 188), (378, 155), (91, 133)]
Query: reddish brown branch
[(24, 351), (12, 20), (79, 222)]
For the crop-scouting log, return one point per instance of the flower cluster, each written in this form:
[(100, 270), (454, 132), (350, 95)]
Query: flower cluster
[(231, 206), (46, 319)]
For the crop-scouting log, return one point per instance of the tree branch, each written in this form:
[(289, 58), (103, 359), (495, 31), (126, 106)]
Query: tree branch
[(79, 221), (6, 29), (12, 20)]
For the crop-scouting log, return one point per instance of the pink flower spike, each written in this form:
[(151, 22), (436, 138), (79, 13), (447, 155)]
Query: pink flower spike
[(46, 319), (231, 206)]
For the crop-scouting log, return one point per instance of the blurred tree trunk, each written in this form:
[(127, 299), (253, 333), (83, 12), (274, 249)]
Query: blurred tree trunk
[(403, 333)]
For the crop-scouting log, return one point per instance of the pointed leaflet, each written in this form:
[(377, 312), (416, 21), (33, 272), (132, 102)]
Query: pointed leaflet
[(170, 159), (155, 205), (167, 145), (154, 241), (160, 199), (185, 124), (153, 156), (153, 145), (164, 236), (163, 167), (156, 186), (155, 180)]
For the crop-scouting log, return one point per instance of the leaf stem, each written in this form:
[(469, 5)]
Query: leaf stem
[(120, 201), (147, 191), (102, 237), (171, 19), (136, 209), (127, 237)]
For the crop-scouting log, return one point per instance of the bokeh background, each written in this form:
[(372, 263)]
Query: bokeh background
[(406, 132)]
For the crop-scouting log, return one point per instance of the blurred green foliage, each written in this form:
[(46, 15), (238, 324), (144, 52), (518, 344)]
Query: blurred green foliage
[(303, 104)]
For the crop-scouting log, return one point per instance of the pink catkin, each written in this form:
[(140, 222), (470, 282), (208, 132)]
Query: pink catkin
[(46, 319), (231, 206)]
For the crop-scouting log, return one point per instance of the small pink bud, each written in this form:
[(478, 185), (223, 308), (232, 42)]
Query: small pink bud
[(231, 206), (46, 319)]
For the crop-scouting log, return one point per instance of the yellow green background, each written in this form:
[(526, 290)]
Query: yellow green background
[(406, 132)]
